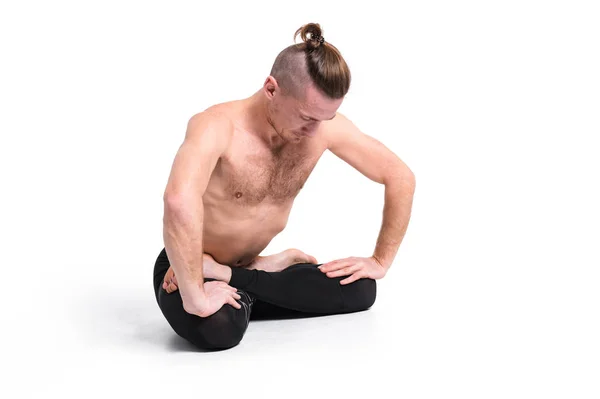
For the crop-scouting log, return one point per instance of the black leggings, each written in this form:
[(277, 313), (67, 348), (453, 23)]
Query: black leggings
[(298, 291)]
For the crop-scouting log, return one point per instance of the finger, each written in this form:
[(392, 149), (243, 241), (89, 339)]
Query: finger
[(172, 287), (228, 288), (343, 272), (326, 265), (351, 279), (234, 303), (237, 296), (335, 265)]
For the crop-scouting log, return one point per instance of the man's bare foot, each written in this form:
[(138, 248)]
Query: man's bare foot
[(272, 263), (210, 269), (281, 261)]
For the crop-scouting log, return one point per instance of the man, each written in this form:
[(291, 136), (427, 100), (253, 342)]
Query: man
[(231, 189)]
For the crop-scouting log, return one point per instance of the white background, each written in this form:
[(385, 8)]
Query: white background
[(493, 105)]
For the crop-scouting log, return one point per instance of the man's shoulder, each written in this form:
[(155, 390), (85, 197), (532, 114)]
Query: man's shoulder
[(218, 117), (219, 111), (212, 122), (332, 129)]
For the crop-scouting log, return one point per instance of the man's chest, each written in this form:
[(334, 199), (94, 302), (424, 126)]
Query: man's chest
[(252, 175)]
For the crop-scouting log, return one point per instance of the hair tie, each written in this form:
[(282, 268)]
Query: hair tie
[(318, 38)]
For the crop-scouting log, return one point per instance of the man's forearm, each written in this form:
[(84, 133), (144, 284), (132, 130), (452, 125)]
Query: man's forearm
[(396, 215), (182, 235)]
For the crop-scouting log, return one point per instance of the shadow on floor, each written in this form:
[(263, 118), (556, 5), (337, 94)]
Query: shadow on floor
[(131, 319)]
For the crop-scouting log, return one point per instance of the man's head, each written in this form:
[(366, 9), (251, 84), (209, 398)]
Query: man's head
[(307, 84)]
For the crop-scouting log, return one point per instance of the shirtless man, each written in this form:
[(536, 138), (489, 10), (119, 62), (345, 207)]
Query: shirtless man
[(231, 189)]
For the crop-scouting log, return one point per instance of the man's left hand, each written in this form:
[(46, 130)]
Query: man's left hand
[(354, 267)]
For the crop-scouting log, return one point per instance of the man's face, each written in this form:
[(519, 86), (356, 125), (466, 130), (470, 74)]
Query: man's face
[(298, 118)]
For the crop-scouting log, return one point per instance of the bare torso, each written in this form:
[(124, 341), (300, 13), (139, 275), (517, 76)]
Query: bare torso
[(251, 192)]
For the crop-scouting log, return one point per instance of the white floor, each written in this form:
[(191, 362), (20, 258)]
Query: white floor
[(426, 337)]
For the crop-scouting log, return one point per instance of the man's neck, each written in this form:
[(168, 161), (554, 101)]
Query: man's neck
[(258, 123)]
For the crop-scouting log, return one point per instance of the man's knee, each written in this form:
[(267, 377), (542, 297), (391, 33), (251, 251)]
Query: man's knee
[(221, 330), (360, 294)]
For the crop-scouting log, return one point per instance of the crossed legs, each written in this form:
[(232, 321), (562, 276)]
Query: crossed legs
[(300, 289)]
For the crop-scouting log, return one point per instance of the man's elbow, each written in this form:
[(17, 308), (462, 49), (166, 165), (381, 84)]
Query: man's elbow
[(175, 201), (402, 175), (172, 201)]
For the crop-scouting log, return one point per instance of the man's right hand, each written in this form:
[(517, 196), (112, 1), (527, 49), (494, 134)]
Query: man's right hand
[(210, 269), (217, 294)]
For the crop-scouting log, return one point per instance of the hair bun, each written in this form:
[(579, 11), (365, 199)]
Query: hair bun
[(311, 34)]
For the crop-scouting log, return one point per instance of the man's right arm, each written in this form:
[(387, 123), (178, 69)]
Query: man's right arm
[(206, 139)]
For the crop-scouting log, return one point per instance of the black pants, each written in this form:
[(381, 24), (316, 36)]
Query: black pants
[(300, 290)]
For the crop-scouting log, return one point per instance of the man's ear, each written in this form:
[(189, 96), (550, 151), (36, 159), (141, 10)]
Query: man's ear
[(270, 87)]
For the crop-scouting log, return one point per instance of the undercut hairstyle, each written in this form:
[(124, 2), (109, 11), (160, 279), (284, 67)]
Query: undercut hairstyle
[(314, 60)]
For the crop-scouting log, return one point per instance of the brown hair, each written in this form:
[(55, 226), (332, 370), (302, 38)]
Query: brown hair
[(314, 59)]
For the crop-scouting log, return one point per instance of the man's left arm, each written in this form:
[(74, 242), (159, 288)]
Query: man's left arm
[(378, 163), (396, 215)]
